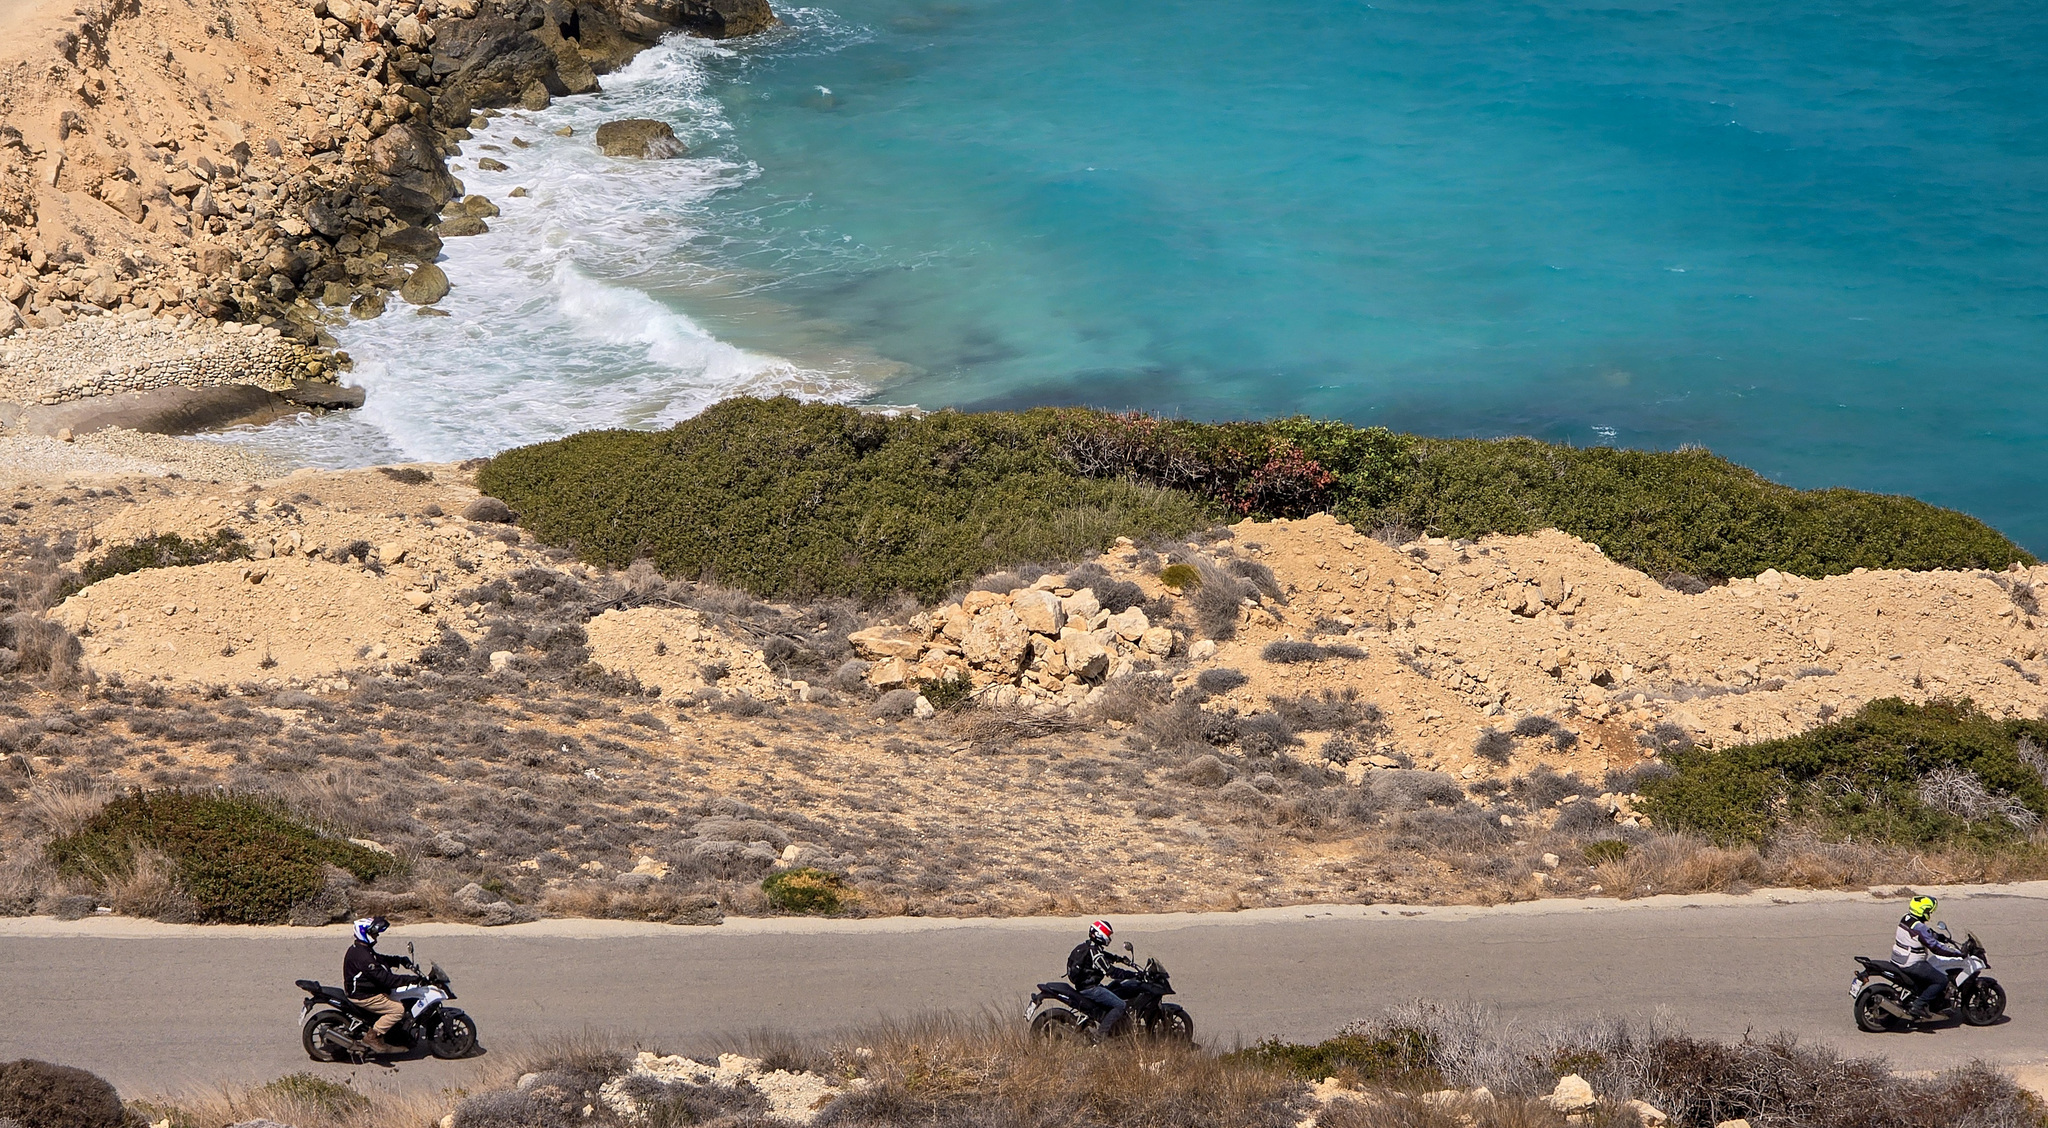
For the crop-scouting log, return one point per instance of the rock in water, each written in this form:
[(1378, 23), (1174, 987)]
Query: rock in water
[(728, 19), (427, 285), (639, 137)]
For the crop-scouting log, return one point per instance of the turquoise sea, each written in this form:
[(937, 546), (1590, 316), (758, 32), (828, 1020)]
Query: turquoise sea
[(1811, 236)]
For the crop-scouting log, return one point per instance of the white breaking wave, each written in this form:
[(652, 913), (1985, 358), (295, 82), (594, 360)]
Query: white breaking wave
[(551, 326)]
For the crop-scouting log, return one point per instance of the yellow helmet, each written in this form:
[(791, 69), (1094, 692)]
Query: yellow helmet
[(1920, 908)]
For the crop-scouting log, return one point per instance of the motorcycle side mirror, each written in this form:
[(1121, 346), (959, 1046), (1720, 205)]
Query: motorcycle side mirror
[(1129, 948), (408, 948)]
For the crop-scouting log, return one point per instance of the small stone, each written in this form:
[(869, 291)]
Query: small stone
[(491, 164), (1202, 651), (922, 709), (1647, 1114), (64, 434)]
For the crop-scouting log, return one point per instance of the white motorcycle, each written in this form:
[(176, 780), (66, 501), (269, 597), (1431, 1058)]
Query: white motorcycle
[(1882, 995), (332, 1027)]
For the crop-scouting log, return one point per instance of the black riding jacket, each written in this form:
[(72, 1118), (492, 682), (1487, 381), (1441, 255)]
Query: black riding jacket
[(365, 971), (1088, 965)]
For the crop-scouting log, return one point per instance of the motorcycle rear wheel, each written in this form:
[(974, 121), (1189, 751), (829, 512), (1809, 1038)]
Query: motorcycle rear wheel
[(1874, 1019), (454, 1037), (310, 1034), (1985, 1004), (1057, 1024)]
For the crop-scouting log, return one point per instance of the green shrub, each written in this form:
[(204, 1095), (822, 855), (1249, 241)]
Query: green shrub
[(947, 693), (164, 550), (239, 859), (807, 889), (1605, 850), (789, 500), (1181, 577), (37, 1094), (310, 1091), (1399, 1056), (1858, 776)]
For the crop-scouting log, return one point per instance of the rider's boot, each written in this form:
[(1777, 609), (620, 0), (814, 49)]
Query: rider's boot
[(1918, 1012), (377, 1045)]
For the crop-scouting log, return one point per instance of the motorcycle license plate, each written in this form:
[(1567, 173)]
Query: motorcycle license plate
[(1030, 1010), (1855, 986)]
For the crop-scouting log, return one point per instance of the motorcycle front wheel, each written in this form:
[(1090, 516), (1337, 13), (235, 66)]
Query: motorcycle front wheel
[(310, 1035), (1174, 1026), (1057, 1024), (454, 1036), (1874, 1019), (1985, 1004)]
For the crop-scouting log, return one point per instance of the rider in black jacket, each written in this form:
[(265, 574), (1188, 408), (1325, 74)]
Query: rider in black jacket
[(1088, 965), (367, 977)]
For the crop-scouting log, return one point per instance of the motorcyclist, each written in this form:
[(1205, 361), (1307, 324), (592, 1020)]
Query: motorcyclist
[(1911, 945), (1088, 966), (367, 977)]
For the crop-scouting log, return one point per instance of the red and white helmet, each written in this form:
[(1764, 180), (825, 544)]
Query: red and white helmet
[(1099, 933)]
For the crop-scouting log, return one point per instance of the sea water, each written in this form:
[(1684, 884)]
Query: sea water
[(1808, 235)]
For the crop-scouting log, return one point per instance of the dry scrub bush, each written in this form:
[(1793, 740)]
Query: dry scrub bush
[(150, 888)]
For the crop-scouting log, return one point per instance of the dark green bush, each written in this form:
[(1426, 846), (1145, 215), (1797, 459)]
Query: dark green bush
[(1399, 1056), (165, 550), (807, 889), (37, 1094), (1684, 512), (239, 859), (791, 500), (1857, 776)]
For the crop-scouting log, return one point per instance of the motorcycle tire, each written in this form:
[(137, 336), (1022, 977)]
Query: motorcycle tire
[(1874, 1019), (1985, 1004), (1057, 1024), (1174, 1025), (453, 1037), (310, 1034)]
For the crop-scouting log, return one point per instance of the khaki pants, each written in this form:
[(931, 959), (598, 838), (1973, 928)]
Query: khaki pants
[(387, 1009)]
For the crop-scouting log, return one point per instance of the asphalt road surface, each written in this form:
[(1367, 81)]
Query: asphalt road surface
[(158, 1008)]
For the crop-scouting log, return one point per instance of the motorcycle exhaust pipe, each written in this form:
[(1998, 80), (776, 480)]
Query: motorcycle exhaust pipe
[(1891, 1007)]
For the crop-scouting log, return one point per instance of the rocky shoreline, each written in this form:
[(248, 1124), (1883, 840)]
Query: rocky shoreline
[(191, 199)]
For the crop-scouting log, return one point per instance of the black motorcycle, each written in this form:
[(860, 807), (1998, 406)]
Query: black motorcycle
[(332, 1027), (1060, 1011), (1881, 994)]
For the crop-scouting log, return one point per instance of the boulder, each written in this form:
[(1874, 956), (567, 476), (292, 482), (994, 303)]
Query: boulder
[(1203, 650), (1087, 657), (425, 285), (1130, 625), (489, 510), (1081, 605), (1647, 1114), (10, 319), (888, 673), (1040, 611), (492, 60), (570, 65), (1552, 587), (886, 642), (1572, 1095), (415, 184), (638, 137), (411, 32), (1158, 642), (413, 244), (996, 640), (123, 197), (727, 19), (460, 226)]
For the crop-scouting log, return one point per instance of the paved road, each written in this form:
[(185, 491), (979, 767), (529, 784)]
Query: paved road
[(155, 1008)]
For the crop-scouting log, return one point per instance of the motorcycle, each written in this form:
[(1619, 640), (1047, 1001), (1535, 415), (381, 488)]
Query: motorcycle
[(331, 1027), (1881, 994), (1059, 1011)]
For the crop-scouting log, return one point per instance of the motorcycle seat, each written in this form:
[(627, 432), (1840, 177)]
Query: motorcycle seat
[(310, 986), (1886, 968)]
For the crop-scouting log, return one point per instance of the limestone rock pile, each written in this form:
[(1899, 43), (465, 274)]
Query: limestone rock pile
[(1048, 643)]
